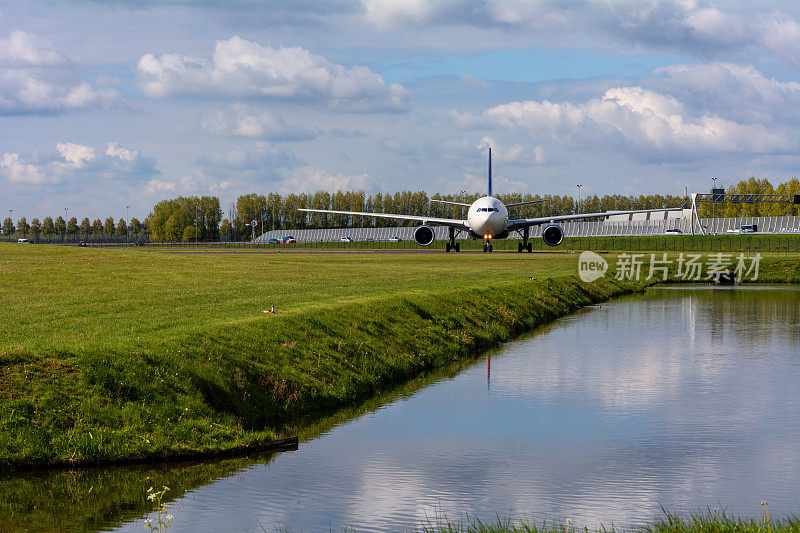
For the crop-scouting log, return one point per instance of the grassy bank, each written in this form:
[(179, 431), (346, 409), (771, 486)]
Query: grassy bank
[(710, 521), (125, 353)]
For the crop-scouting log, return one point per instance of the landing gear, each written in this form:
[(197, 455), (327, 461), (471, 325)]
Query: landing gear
[(452, 245), (487, 247), (525, 246)]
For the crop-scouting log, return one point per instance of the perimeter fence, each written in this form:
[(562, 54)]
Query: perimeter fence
[(774, 234)]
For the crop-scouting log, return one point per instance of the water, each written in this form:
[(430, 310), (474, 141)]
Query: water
[(682, 397)]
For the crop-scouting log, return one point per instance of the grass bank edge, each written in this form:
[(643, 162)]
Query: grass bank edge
[(702, 521), (259, 380)]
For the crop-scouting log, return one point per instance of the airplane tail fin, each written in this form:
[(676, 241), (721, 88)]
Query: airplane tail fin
[(490, 171)]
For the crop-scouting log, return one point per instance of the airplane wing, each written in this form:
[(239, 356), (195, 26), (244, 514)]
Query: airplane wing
[(527, 222), (432, 221)]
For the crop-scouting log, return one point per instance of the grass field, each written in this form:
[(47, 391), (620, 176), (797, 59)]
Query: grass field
[(115, 353), (63, 298)]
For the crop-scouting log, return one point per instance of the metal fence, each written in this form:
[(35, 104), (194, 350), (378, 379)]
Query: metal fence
[(604, 228)]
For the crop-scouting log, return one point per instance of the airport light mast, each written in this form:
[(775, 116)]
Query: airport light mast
[(713, 210)]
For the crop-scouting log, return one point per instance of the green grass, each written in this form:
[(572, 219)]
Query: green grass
[(63, 298), (118, 353)]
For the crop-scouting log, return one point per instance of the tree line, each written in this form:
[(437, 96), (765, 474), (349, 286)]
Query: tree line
[(753, 186), (70, 230), (193, 218)]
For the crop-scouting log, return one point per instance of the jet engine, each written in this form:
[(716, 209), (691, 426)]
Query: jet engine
[(553, 235), (424, 235)]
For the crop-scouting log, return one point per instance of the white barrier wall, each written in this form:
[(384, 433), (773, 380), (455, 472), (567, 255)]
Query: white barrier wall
[(605, 228)]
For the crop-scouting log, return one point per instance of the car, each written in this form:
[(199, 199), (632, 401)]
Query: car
[(23, 241), (346, 239), (395, 239), (673, 231), (289, 239), (273, 241)]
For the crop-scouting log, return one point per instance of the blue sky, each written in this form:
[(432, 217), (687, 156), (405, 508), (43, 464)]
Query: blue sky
[(108, 104)]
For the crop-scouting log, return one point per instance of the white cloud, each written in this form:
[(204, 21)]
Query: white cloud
[(781, 34), (386, 14), (244, 69), (514, 154), (76, 155), (157, 187), (34, 79), (720, 30), (22, 49), (634, 120), (77, 165), (18, 171), (261, 158), (310, 179), (248, 121), (113, 149), (735, 92)]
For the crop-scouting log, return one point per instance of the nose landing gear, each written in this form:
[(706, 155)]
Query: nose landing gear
[(487, 243)]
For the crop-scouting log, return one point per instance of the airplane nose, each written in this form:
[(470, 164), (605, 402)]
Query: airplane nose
[(492, 225)]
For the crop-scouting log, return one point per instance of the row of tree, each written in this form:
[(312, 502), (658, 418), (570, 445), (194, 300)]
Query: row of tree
[(754, 186), (70, 229), (193, 218)]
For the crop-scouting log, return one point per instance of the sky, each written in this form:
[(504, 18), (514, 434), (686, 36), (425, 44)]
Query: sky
[(105, 105)]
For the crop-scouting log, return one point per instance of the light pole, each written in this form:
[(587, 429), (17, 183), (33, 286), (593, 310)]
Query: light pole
[(463, 200), (579, 198), (713, 202), (9, 216), (66, 217), (127, 225), (195, 224)]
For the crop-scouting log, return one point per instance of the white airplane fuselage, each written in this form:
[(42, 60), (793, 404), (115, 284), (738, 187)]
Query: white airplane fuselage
[(487, 218)]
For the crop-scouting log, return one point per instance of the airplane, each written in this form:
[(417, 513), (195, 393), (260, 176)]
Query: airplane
[(487, 219)]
